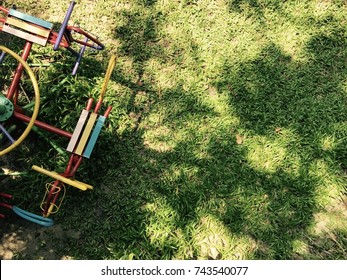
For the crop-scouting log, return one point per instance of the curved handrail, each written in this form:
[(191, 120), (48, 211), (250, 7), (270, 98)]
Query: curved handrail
[(46, 222), (37, 100), (99, 46)]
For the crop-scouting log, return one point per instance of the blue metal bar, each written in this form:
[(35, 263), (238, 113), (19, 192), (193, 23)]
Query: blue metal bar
[(7, 134), (2, 56), (80, 55), (46, 222), (64, 25)]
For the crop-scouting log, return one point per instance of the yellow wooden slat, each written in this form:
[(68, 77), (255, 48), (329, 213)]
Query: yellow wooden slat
[(86, 133), (25, 36), (28, 27)]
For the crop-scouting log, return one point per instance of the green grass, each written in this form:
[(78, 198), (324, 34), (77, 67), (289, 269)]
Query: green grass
[(227, 138)]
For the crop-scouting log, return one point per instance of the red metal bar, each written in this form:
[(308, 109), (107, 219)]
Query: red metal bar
[(51, 196), (3, 9), (99, 46), (74, 163), (2, 20), (5, 205), (8, 196), (97, 106), (43, 125), (108, 111), (15, 82), (65, 43), (89, 104), (69, 165), (77, 164)]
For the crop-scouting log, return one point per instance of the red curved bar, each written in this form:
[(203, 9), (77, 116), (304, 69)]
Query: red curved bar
[(5, 195), (5, 205), (84, 33), (65, 42)]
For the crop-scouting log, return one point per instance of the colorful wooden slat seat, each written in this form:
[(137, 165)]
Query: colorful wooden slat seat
[(86, 133), (27, 27)]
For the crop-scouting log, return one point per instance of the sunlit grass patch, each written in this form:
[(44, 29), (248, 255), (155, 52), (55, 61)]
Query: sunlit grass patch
[(330, 182), (328, 143), (214, 241), (265, 155), (160, 139), (300, 247)]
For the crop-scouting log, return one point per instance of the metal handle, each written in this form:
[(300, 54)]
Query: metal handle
[(46, 222), (64, 25)]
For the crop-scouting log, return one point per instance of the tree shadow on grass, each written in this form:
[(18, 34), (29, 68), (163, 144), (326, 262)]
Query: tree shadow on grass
[(272, 206), (270, 94)]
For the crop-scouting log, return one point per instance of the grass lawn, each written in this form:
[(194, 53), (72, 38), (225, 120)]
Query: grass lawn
[(227, 138)]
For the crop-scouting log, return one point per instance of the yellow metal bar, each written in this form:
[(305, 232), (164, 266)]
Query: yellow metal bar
[(111, 65), (37, 100), (24, 35), (28, 27), (74, 183), (84, 138)]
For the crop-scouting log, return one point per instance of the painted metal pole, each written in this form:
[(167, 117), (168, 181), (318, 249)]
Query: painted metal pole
[(80, 55), (15, 81), (4, 131), (64, 25)]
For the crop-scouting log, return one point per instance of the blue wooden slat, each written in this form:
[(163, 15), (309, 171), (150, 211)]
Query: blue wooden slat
[(94, 137), (30, 18)]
